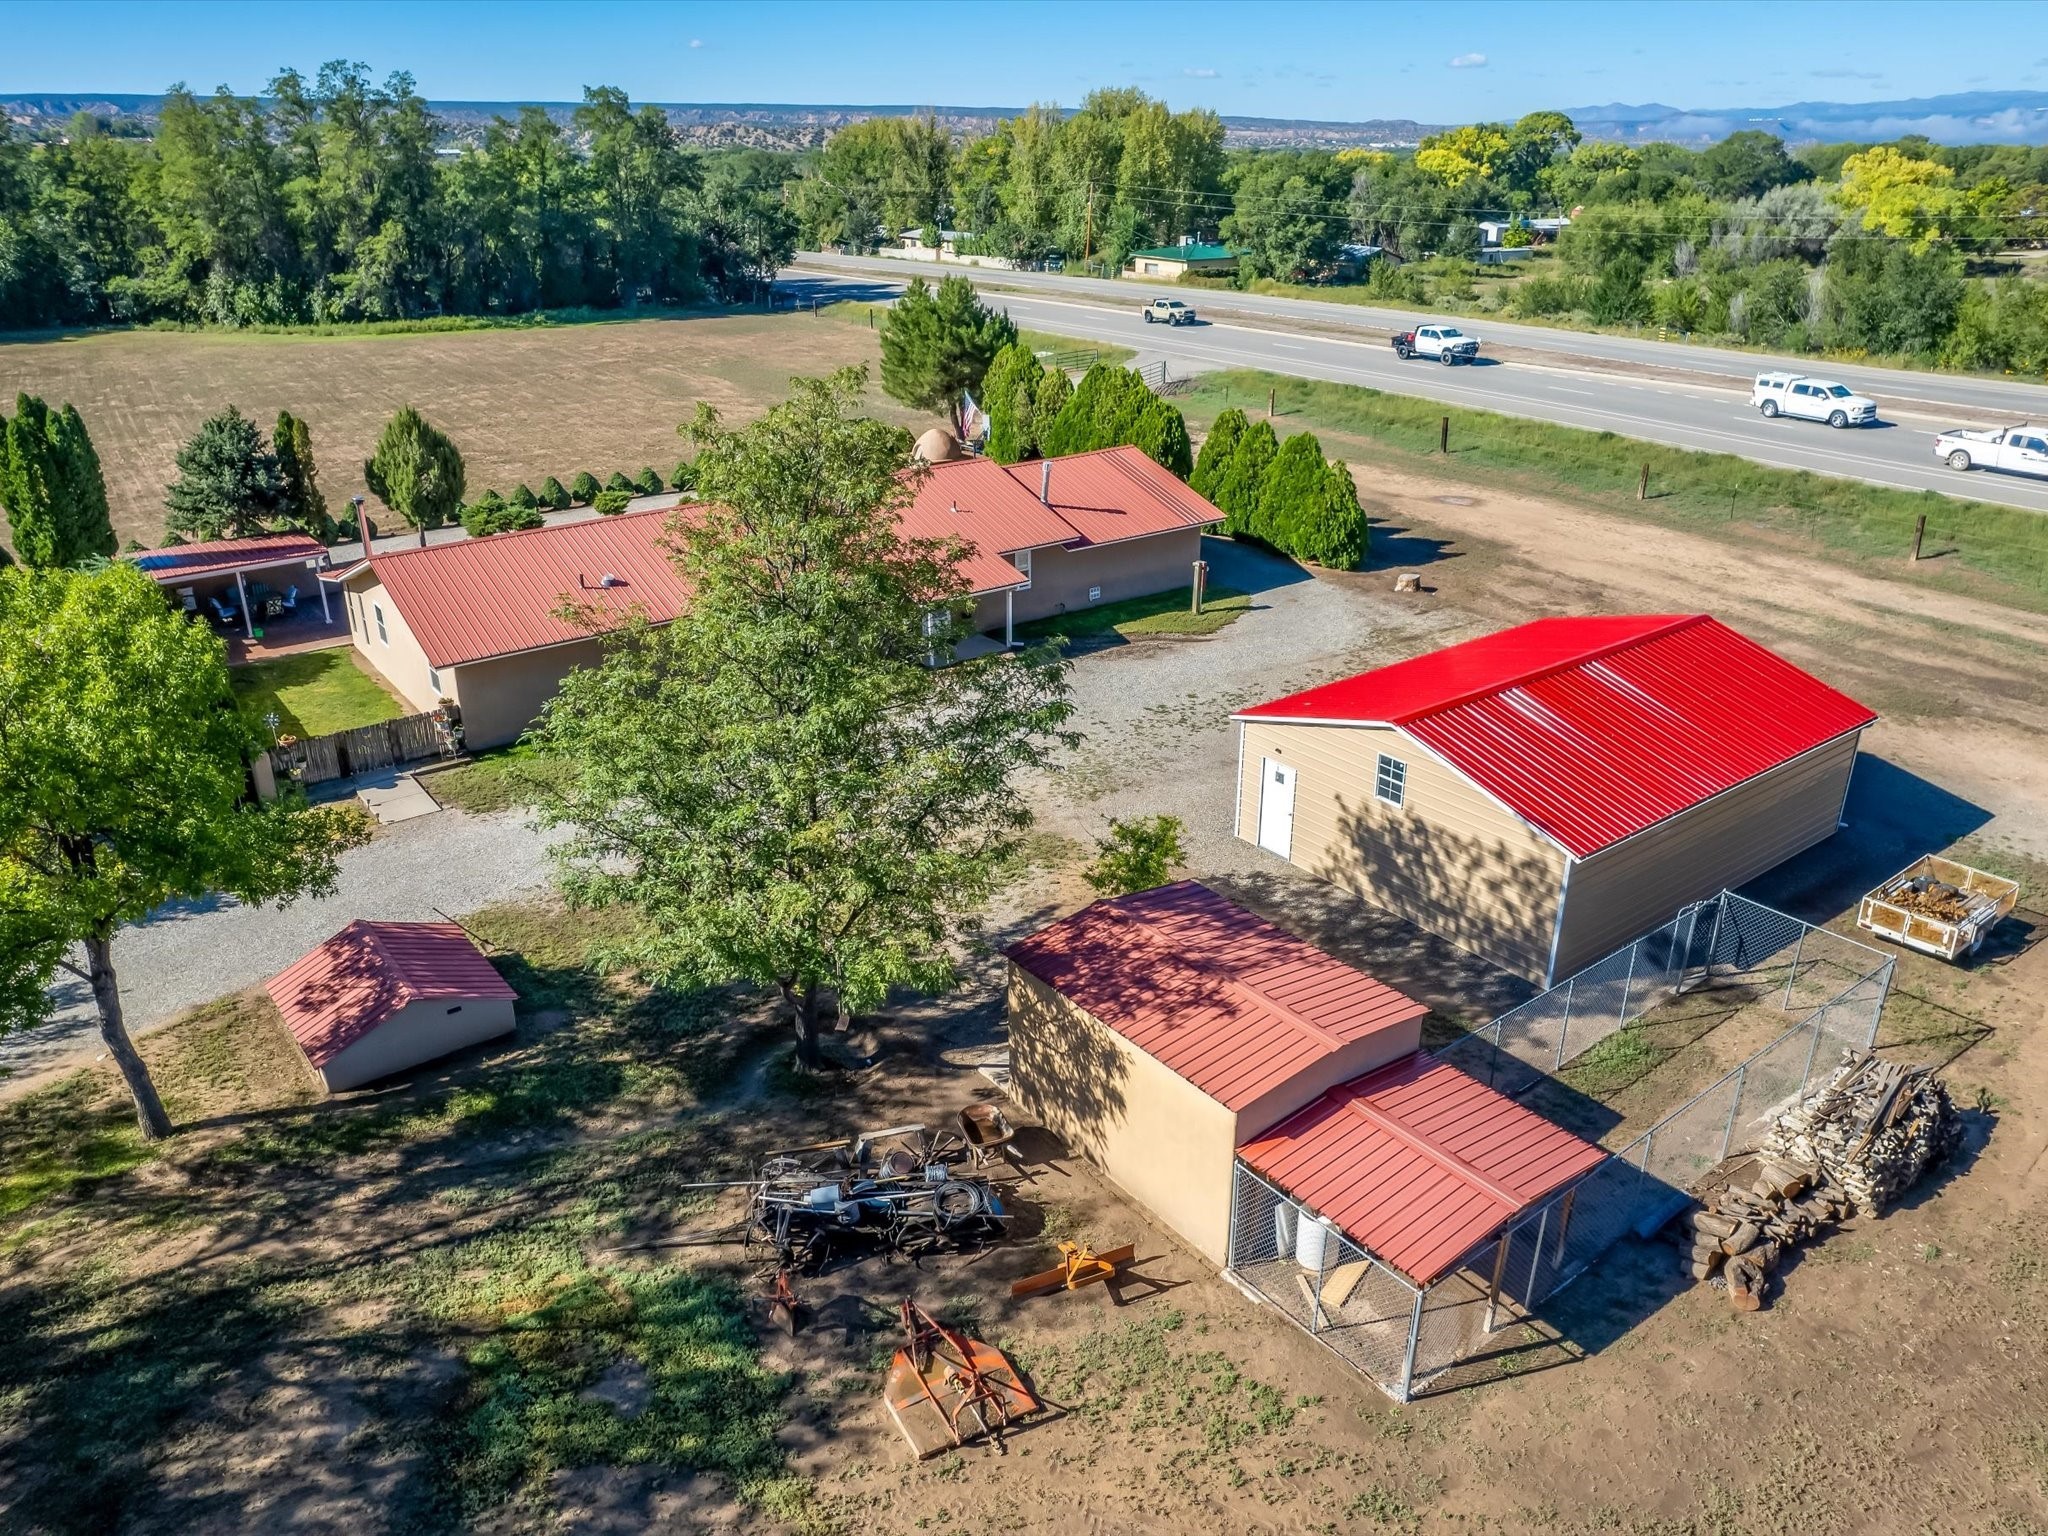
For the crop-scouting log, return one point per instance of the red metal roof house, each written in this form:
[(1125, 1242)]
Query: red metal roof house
[(1542, 795), (378, 998)]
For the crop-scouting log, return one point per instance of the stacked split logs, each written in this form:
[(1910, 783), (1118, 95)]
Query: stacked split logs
[(1874, 1127), (1747, 1226), (1852, 1146)]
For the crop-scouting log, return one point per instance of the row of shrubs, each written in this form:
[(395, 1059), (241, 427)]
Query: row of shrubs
[(491, 513), (1034, 412), (1286, 495)]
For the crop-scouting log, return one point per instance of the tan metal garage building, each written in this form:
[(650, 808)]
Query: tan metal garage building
[(380, 998), (1155, 1033), (1542, 795)]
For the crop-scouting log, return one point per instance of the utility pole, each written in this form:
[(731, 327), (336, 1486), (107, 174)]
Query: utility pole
[(1088, 225)]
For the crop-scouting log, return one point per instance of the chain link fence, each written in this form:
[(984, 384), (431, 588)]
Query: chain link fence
[(1405, 1336)]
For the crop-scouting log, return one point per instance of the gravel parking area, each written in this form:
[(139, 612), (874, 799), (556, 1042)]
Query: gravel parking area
[(416, 871)]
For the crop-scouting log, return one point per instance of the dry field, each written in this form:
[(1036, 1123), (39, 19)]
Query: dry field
[(402, 1313), (521, 404)]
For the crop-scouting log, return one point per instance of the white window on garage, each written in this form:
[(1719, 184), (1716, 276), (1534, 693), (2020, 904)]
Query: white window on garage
[(383, 637), (1390, 780)]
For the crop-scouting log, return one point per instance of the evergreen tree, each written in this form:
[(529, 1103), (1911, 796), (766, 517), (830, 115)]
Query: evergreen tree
[(937, 345), (523, 498), (1009, 394), (1244, 476), (484, 516), (1333, 530), (685, 477), (1216, 450), (553, 496), (31, 483), (1162, 432), (303, 506), (584, 488), (228, 485), (1290, 494), (649, 482), (619, 482), (88, 524), (416, 471)]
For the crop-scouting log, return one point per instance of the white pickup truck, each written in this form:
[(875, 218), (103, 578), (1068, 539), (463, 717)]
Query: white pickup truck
[(1794, 394), (1446, 343), (2022, 449)]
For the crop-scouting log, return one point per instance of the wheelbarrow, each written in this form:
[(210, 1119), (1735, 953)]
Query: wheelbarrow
[(988, 1134)]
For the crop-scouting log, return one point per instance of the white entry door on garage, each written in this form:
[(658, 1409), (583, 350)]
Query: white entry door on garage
[(1276, 807)]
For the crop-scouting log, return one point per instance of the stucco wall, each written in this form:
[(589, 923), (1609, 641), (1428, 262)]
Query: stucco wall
[(397, 658), (1060, 578), (1152, 1132), (422, 1032), (1630, 888), (501, 697), (1449, 859)]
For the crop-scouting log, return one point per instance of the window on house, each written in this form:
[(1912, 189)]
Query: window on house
[(383, 637), (434, 679), (1390, 782), (1022, 560)]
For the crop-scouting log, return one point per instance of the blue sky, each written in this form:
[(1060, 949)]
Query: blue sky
[(1444, 62)]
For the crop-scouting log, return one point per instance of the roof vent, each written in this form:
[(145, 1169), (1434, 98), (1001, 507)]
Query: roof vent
[(609, 580), (1045, 482), (954, 508)]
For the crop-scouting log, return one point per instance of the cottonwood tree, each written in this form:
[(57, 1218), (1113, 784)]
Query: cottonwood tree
[(935, 345), (780, 783), (229, 485), (416, 471), (122, 779)]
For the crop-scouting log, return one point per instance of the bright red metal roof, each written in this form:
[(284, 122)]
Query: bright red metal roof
[(1592, 729), (1419, 1162), (475, 598), (340, 991), (1102, 497), (1221, 997), (181, 562)]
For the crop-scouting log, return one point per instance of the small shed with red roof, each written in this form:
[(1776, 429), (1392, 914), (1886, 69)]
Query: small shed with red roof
[(1542, 795), (380, 998), (1273, 1106), (1154, 1033)]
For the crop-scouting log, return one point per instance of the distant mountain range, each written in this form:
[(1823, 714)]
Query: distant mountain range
[(1974, 117)]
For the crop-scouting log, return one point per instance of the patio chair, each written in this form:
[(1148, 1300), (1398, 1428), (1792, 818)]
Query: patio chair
[(225, 612), (289, 603)]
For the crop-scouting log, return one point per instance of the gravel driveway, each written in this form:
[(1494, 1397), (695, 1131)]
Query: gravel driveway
[(449, 863)]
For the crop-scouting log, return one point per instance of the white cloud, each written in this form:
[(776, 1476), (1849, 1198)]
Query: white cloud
[(696, 42), (1199, 74), (1469, 61)]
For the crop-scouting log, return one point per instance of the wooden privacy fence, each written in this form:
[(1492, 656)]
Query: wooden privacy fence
[(365, 749)]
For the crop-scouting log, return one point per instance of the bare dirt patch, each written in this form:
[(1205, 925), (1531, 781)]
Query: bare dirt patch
[(521, 404)]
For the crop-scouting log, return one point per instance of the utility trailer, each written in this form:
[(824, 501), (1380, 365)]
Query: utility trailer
[(1938, 906)]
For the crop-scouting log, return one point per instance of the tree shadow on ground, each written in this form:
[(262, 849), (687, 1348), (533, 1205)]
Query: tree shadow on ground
[(1401, 547)]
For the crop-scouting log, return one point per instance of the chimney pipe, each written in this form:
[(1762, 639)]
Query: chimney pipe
[(1045, 482)]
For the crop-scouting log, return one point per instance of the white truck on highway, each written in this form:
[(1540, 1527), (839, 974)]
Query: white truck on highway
[(1794, 394), (1445, 343), (2023, 450)]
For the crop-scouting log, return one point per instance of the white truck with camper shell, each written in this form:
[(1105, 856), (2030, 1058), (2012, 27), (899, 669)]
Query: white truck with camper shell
[(2020, 450), (1810, 399)]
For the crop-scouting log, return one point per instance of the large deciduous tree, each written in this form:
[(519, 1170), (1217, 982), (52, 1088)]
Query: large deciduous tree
[(938, 345), (228, 484), (780, 783), (416, 471), (123, 770)]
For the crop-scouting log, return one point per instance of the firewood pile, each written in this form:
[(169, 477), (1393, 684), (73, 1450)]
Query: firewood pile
[(1873, 1129), (1749, 1224), (1933, 898)]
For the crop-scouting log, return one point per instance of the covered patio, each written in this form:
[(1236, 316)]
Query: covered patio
[(263, 591)]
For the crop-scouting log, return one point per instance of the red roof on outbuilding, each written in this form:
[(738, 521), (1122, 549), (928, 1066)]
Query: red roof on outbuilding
[(1593, 729), (1419, 1162), (1102, 497), (1217, 995), (346, 987), (182, 562)]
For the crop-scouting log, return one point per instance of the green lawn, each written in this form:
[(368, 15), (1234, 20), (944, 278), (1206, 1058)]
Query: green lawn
[(1163, 613), (496, 781), (313, 693), (1992, 551)]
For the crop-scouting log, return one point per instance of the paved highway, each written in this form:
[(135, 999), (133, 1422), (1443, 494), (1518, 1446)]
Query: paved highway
[(1688, 397)]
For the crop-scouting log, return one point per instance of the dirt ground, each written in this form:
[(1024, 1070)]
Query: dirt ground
[(520, 404), (1893, 1386)]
